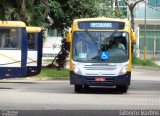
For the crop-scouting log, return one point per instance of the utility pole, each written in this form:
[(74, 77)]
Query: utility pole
[(145, 41)]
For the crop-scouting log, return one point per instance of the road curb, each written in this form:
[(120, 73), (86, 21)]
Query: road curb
[(50, 78), (146, 67)]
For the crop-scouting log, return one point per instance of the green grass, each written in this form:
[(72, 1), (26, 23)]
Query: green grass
[(54, 73), (140, 62)]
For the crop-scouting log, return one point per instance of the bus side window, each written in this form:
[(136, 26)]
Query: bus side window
[(6, 40), (11, 40), (1, 40), (31, 41)]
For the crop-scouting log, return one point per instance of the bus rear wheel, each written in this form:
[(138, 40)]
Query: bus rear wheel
[(122, 88), (78, 88)]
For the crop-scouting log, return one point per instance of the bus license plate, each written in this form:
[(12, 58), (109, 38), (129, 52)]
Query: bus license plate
[(99, 79)]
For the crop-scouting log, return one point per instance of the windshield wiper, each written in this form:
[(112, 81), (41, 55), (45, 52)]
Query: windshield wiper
[(92, 37)]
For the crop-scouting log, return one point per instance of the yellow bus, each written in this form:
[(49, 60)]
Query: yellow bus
[(100, 53)]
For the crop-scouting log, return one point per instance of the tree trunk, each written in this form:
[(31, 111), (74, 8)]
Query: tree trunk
[(132, 19), (2, 12), (117, 5)]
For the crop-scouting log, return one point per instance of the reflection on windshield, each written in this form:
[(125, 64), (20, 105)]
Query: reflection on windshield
[(32, 41), (92, 37), (100, 46), (9, 38)]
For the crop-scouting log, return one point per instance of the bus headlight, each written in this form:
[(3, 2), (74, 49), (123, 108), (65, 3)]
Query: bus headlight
[(123, 70), (76, 69)]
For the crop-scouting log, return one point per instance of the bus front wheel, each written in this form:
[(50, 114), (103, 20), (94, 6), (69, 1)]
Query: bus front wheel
[(122, 88), (78, 88)]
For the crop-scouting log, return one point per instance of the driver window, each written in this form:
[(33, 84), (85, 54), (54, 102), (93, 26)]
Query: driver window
[(106, 42), (118, 43)]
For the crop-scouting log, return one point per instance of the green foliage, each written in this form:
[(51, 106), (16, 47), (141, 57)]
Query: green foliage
[(5, 9), (36, 15), (64, 12), (29, 11), (119, 14), (54, 73), (141, 62), (55, 7)]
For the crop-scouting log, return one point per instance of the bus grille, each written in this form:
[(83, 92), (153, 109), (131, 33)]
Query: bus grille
[(99, 67)]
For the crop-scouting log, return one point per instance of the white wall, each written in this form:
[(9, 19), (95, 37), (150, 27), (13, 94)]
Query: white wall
[(51, 47)]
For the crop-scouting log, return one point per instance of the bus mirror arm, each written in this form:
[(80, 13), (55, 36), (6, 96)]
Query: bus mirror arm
[(68, 38), (133, 37)]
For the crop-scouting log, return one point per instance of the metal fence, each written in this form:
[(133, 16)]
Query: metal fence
[(152, 41)]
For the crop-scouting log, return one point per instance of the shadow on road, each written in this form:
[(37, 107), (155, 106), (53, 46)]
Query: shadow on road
[(136, 85), (61, 87), (101, 90), (21, 82), (5, 88)]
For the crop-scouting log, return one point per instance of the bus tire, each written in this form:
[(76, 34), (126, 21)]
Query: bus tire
[(86, 87), (78, 88), (122, 88)]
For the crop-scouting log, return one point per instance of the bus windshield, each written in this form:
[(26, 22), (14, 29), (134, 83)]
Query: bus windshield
[(110, 47)]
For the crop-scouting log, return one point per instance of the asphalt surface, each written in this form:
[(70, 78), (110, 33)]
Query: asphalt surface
[(54, 96)]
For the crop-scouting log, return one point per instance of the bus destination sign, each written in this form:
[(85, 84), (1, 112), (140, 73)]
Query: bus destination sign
[(101, 25)]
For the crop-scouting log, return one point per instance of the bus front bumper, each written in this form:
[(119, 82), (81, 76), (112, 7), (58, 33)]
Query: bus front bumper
[(109, 80)]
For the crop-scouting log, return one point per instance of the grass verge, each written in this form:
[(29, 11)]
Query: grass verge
[(54, 73), (140, 62)]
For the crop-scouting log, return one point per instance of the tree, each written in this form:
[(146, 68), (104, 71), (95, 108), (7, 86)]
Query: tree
[(131, 7), (32, 12), (118, 10)]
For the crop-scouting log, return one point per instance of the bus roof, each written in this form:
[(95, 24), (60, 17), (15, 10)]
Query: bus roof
[(33, 29), (102, 19), (12, 24)]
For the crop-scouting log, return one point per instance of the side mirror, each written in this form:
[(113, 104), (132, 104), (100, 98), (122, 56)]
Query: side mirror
[(68, 38), (133, 37)]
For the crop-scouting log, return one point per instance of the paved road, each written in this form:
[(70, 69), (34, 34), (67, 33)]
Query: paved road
[(143, 94)]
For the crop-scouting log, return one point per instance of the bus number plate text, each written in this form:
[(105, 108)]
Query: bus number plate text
[(100, 79)]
